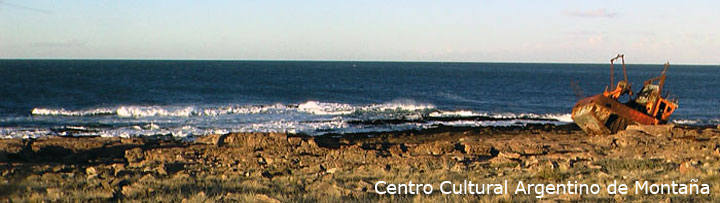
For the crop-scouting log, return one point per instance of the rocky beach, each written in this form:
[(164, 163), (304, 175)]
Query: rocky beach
[(275, 167)]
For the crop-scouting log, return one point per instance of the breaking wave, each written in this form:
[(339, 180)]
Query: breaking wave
[(150, 111), (310, 117), (697, 122), (311, 107), (686, 121), (380, 111), (63, 112)]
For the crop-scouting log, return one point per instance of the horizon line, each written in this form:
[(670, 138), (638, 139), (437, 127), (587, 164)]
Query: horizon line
[(333, 60)]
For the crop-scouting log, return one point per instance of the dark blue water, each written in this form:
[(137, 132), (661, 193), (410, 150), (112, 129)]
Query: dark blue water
[(125, 98)]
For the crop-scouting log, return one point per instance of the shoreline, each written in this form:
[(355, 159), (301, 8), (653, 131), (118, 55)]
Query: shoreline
[(278, 167)]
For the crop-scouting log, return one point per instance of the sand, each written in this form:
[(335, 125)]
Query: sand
[(273, 167)]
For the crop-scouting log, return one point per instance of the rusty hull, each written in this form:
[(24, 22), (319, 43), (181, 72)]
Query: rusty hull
[(601, 115), (604, 114)]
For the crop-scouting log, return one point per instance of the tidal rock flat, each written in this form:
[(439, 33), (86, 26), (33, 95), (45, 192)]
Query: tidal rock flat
[(275, 167)]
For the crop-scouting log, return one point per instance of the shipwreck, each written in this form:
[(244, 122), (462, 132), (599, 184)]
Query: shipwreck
[(604, 114)]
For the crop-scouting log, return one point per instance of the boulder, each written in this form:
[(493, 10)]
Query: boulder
[(687, 167), (134, 155), (265, 198), (433, 148)]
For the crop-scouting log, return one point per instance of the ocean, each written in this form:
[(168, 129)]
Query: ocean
[(191, 98)]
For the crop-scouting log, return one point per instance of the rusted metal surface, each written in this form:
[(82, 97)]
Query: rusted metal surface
[(603, 113)]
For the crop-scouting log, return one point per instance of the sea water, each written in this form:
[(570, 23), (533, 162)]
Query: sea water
[(189, 98)]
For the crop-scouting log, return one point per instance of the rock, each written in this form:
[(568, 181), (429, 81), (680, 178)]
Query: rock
[(132, 190), (255, 141), (117, 167), (687, 167), (106, 185), (625, 141), (265, 198), (593, 166), (217, 140), (363, 186), (692, 133), (552, 164), (91, 172), (500, 160), (327, 189), (59, 168), (619, 198), (52, 177), (309, 147), (509, 155), (294, 141), (434, 148), (655, 130), (232, 197), (161, 170), (54, 193), (105, 171), (564, 165), (396, 150), (477, 148), (12, 146), (533, 150), (530, 162), (678, 132), (134, 155), (526, 147), (147, 178), (316, 170), (331, 171), (199, 197), (171, 168), (312, 169), (105, 194)]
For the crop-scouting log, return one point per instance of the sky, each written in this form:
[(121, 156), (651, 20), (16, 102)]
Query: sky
[(579, 31)]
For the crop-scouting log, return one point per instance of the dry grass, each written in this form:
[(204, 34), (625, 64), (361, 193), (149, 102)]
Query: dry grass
[(203, 173)]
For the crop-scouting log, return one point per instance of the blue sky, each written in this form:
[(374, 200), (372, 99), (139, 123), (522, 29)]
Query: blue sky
[(685, 32)]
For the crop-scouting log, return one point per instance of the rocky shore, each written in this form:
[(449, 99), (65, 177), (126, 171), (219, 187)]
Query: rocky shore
[(272, 167)]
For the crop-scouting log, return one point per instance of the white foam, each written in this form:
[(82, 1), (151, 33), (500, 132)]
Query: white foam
[(283, 126), (498, 123), (403, 105), (63, 112), (11, 132), (248, 109), (144, 111), (151, 126), (311, 117), (686, 121), (567, 118), (322, 108), (450, 114), (167, 111)]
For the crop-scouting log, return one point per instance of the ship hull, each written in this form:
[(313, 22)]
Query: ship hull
[(600, 115)]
